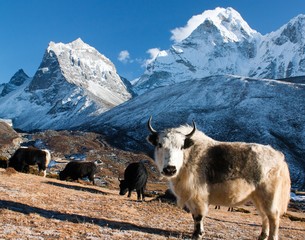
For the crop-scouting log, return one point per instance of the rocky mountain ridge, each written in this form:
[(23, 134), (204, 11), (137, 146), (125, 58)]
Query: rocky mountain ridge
[(73, 83), (225, 44)]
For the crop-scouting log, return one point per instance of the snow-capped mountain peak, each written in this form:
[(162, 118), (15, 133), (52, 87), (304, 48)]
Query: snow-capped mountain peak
[(73, 83), (19, 78), (227, 21), (78, 47), (230, 24), (80, 56), (219, 41), (293, 31), (81, 65)]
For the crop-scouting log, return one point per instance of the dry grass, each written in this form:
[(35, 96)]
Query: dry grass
[(33, 207)]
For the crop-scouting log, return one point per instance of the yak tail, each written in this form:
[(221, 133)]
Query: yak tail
[(286, 188), (48, 159), (48, 156)]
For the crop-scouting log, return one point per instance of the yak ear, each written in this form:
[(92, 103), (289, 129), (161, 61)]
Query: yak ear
[(153, 139), (188, 142)]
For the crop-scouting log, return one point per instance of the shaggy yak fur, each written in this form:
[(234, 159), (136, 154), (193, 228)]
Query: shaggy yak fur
[(26, 156), (203, 171)]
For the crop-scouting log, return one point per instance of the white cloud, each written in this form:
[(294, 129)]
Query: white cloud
[(178, 34), (153, 52), (124, 56)]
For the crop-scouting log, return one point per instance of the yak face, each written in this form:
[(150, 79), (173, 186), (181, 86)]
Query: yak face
[(62, 175), (169, 149), (123, 187), (169, 153)]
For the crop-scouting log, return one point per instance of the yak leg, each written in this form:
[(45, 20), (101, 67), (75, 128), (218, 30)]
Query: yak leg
[(267, 204), (199, 210), (43, 168), (91, 178), (273, 209), (265, 227), (25, 168), (44, 172), (270, 224), (265, 222), (142, 192), (139, 194), (129, 193), (274, 222), (198, 226)]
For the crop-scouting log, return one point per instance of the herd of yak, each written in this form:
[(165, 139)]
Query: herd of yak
[(135, 175), (201, 171)]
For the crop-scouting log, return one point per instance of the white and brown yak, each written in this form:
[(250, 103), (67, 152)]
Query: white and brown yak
[(203, 171), (26, 156)]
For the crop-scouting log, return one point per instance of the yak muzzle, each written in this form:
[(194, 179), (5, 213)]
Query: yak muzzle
[(169, 171)]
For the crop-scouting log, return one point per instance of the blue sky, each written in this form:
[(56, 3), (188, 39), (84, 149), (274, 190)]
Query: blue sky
[(113, 26)]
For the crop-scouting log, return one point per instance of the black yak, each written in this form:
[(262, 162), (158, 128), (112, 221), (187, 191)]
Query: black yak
[(135, 177), (78, 169)]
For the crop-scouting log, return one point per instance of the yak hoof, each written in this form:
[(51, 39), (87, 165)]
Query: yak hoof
[(185, 208), (263, 236), (197, 236)]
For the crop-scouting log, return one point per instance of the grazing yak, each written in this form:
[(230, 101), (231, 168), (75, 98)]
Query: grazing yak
[(25, 156), (135, 177), (203, 171), (78, 169)]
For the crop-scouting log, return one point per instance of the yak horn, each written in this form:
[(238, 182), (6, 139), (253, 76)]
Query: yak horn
[(193, 131), (153, 131)]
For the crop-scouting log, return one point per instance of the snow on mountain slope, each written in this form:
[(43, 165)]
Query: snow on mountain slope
[(281, 53), (17, 80), (227, 108), (73, 83), (83, 66), (225, 44), (228, 21)]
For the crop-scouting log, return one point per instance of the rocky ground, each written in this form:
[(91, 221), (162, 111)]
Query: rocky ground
[(33, 207)]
